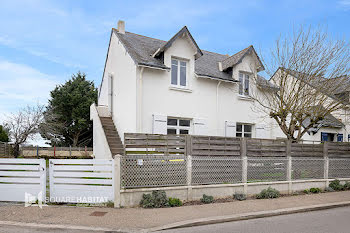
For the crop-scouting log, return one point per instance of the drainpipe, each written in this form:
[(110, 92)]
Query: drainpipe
[(140, 102), (217, 109)]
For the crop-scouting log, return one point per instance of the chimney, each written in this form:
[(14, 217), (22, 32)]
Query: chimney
[(121, 26)]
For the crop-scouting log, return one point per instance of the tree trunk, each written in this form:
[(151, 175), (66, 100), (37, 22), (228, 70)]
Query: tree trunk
[(16, 150)]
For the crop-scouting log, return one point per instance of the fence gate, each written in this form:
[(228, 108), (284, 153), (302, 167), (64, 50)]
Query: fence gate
[(81, 180), (21, 176)]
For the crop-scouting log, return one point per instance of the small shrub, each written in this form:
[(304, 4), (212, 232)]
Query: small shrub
[(147, 201), (155, 200), (174, 202), (346, 186), (329, 189), (307, 191), (335, 184), (315, 190), (207, 199), (268, 193), (240, 196)]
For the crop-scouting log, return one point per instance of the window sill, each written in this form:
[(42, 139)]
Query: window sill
[(175, 88), (245, 97)]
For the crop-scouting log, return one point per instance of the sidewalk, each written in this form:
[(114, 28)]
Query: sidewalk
[(136, 219)]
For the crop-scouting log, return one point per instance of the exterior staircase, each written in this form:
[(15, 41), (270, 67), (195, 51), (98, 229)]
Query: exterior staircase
[(113, 139)]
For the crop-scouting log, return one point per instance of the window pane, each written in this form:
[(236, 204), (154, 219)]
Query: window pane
[(247, 135), (239, 135), (183, 63), (171, 131), (241, 84), (239, 128), (174, 73), (184, 122), (183, 131), (174, 62), (183, 75), (247, 128), (246, 85), (172, 121)]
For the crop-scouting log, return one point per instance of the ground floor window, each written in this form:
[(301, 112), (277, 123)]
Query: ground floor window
[(178, 126), (243, 130), (339, 137), (327, 137)]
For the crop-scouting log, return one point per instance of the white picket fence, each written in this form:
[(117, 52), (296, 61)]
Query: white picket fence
[(81, 180), (21, 176)]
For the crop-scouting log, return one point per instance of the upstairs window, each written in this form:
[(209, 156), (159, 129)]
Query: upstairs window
[(243, 84), (178, 126), (243, 130), (178, 73)]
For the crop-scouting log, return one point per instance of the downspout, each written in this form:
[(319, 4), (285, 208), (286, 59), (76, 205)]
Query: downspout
[(217, 109), (140, 101)]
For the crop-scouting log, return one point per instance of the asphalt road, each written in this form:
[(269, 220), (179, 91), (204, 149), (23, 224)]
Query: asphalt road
[(326, 221)]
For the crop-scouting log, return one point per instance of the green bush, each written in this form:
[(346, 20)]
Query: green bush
[(346, 186), (315, 190), (155, 200), (240, 196), (207, 199), (174, 202), (268, 193), (329, 189), (307, 191), (335, 184)]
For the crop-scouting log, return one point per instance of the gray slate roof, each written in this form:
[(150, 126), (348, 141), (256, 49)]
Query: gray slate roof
[(141, 49)]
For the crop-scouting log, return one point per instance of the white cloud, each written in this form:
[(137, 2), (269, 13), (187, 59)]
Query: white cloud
[(22, 85)]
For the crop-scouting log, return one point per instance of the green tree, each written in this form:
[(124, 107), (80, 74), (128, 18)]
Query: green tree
[(67, 117), (4, 137)]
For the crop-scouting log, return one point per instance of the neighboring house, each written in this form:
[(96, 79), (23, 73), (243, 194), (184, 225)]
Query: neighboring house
[(334, 127), (174, 87)]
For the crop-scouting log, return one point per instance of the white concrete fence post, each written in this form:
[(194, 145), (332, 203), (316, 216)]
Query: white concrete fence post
[(289, 165), (189, 167), (244, 165), (117, 180), (326, 163)]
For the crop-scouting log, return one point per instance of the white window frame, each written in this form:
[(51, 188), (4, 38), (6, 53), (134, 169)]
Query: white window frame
[(242, 84), (243, 132), (178, 127), (178, 85)]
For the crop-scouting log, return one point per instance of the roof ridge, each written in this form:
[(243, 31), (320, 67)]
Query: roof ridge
[(146, 36)]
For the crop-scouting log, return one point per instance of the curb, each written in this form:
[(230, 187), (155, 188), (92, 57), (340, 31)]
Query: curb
[(63, 227), (246, 216)]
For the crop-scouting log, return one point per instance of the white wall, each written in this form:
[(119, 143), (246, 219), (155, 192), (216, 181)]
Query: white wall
[(123, 70), (100, 144), (200, 101)]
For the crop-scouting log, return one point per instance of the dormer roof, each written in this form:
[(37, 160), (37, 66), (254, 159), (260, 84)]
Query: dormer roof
[(183, 32), (238, 57)]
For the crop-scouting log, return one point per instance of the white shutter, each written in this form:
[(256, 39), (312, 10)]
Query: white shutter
[(200, 127), (159, 124), (260, 131), (230, 129)]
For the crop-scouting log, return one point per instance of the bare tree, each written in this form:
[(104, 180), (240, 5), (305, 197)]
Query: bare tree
[(23, 125), (310, 74)]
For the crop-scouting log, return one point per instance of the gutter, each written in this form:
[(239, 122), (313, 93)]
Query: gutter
[(215, 78)]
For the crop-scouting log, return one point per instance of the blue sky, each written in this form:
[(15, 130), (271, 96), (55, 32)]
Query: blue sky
[(43, 42)]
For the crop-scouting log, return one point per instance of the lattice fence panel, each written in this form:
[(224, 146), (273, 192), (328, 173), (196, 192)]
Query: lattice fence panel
[(153, 171), (307, 168), (339, 168), (216, 170), (267, 169)]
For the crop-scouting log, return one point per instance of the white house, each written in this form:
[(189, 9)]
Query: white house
[(174, 87)]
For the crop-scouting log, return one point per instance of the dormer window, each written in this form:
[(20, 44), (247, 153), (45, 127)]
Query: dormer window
[(178, 73), (243, 84)]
